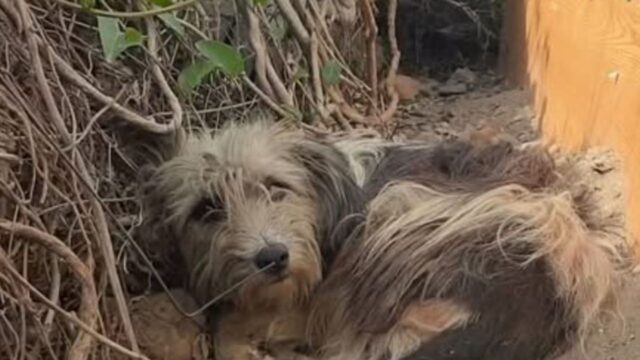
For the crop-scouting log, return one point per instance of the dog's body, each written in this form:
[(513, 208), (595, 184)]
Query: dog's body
[(393, 251), (467, 252)]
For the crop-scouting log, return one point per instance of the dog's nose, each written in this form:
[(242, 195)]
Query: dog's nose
[(278, 255)]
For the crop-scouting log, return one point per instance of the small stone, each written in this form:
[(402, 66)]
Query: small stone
[(452, 89), (463, 76), (602, 167), (407, 87), (523, 114)]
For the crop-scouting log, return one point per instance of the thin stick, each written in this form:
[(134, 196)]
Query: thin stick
[(88, 308), (72, 75), (395, 61), (294, 20), (82, 345), (174, 103), (267, 100), (130, 15), (70, 317), (257, 43), (372, 33)]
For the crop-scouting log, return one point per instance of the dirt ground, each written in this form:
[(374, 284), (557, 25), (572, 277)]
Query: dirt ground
[(488, 103)]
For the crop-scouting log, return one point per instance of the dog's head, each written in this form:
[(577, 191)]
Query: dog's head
[(255, 204)]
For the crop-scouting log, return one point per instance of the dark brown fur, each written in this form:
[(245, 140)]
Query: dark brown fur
[(519, 308)]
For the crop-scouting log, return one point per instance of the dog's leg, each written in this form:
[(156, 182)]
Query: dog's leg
[(421, 322), (238, 337), (262, 336)]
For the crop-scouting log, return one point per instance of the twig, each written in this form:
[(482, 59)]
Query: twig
[(257, 43), (275, 107), (39, 72), (294, 20), (346, 109), (13, 14), (10, 158), (371, 33), (89, 301), (70, 74), (395, 61), (174, 103), (91, 122), (80, 347), (70, 317), (130, 15), (315, 76), (278, 85)]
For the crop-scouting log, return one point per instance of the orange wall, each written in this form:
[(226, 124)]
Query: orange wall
[(581, 61)]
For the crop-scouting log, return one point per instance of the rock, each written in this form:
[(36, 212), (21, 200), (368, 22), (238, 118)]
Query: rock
[(523, 114), (602, 167), (463, 76), (163, 332), (452, 89), (407, 87)]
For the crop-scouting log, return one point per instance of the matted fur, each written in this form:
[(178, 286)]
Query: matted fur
[(210, 207), (500, 233), (405, 251)]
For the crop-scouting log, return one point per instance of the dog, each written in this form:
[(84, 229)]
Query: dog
[(467, 250), (252, 205), (355, 247)]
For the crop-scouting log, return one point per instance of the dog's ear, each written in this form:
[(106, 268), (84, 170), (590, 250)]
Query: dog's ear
[(144, 151), (144, 148), (155, 238), (339, 200)]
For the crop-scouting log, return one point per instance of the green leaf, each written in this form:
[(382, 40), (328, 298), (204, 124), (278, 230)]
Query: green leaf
[(330, 73), (88, 4), (260, 2), (278, 28), (193, 75), (109, 31), (300, 74), (162, 3), (114, 40), (172, 22), (224, 56), (132, 37)]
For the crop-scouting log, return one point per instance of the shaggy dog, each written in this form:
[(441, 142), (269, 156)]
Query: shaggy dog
[(250, 205), (466, 251), (366, 249)]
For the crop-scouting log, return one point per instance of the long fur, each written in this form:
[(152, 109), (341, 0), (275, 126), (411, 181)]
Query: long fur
[(215, 201), (399, 251), (500, 233)]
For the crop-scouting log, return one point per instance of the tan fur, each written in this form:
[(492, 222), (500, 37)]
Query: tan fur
[(243, 168)]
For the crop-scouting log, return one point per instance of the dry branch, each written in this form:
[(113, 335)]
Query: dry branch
[(88, 313), (131, 15), (101, 223), (88, 329), (372, 34)]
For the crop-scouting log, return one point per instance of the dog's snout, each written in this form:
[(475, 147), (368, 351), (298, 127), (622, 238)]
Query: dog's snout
[(275, 255)]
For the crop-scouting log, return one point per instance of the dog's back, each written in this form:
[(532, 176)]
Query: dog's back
[(496, 229)]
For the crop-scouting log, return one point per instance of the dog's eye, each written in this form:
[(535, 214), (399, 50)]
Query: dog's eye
[(208, 209), (278, 190)]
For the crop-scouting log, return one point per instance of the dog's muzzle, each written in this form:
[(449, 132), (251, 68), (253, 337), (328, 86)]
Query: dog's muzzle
[(273, 258)]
